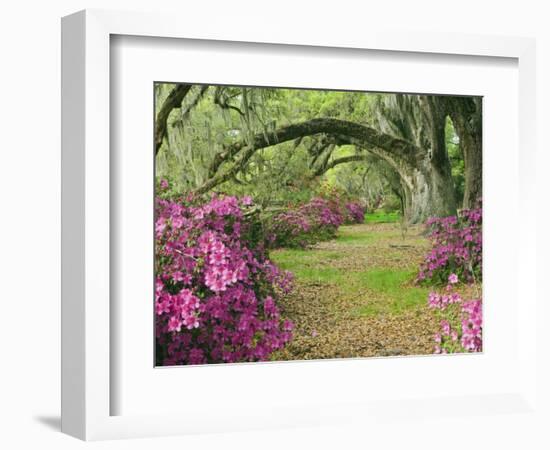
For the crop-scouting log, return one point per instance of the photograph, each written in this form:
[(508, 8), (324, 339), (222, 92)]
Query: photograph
[(297, 224)]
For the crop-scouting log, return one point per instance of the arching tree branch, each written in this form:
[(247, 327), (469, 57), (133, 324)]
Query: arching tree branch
[(369, 136), (173, 101)]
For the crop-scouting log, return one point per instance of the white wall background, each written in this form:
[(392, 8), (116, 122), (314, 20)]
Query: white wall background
[(30, 195)]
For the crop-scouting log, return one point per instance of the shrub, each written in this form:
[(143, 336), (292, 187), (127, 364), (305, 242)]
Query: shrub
[(215, 294), (299, 226), (461, 320), (289, 229), (354, 213), (456, 248), (325, 216)]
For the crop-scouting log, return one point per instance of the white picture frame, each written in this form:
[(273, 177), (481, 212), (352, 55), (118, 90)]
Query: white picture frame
[(87, 384)]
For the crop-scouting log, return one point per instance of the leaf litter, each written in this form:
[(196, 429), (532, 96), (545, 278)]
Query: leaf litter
[(327, 314)]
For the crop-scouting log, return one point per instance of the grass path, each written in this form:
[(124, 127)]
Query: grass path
[(355, 295)]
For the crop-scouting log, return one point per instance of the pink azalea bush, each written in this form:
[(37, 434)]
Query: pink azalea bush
[(461, 326), (325, 215), (215, 291), (354, 212), (456, 248), (290, 228), (306, 224)]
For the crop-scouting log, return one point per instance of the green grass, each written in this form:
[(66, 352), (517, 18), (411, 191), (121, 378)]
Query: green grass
[(382, 217), (291, 259), (378, 290), (308, 264), (386, 291), (393, 291), (351, 235)]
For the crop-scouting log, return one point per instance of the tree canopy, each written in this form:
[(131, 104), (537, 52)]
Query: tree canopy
[(419, 153)]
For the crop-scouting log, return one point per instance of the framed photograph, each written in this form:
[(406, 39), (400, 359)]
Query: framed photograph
[(263, 230)]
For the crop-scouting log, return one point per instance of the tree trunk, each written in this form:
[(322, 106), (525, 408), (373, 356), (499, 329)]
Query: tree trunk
[(428, 188), (426, 197), (440, 181), (428, 184), (466, 115)]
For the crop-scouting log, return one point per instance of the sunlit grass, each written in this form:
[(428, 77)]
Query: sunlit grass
[(309, 265), (296, 259), (382, 217), (352, 235), (393, 292), (383, 291)]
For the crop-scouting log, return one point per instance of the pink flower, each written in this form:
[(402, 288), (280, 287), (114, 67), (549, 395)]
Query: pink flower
[(178, 276), (162, 306), (445, 327), (174, 324), (457, 246), (288, 325), (462, 328), (453, 278), (177, 221), (215, 295)]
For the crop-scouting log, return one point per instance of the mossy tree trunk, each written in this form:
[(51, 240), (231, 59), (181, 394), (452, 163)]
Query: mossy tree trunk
[(427, 182), (466, 115)]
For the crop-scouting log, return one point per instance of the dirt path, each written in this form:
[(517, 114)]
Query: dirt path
[(354, 296)]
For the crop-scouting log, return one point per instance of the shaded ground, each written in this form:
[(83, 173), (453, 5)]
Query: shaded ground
[(355, 296)]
